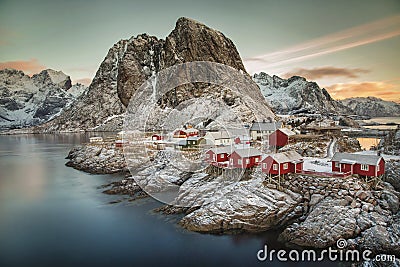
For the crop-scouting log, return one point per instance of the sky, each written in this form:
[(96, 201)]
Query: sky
[(349, 47)]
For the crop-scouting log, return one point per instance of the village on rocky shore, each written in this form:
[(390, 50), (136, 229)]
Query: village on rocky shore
[(313, 190)]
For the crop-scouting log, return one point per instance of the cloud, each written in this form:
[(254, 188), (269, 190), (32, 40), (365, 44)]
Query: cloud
[(356, 36), (85, 81), (30, 67), (382, 90), (328, 71)]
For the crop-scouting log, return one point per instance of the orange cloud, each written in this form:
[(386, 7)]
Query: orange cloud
[(328, 71), (85, 81), (384, 90), (30, 67)]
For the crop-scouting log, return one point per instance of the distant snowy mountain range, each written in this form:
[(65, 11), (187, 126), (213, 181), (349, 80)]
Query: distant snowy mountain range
[(27, 101), (297, 95), (372, 106)]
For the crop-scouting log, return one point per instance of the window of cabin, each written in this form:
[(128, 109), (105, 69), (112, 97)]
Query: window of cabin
[(275, 167), (285, 166), (239, 161), (264, 165), (256, 160), (208, 156), (337, 164), (214, 157), (231, 161), (364, 167), (377, 168), (247, 161)]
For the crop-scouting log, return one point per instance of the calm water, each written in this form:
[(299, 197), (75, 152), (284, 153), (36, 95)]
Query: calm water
[(383, 120), (367, 142), (52, 215)]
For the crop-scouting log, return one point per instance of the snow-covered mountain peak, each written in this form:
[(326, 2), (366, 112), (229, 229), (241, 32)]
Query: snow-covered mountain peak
[(51, 77), (15, 80), (296, 95)]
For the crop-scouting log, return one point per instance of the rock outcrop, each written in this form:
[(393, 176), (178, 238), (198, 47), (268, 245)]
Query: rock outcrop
[(189, 41), (249, 207), (102, 159), (348, 210)]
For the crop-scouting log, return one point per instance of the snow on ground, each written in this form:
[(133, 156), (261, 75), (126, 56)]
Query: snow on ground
[(317, 164)]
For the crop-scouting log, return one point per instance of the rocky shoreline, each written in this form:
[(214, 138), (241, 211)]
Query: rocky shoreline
[(97, 159), (308, 211)]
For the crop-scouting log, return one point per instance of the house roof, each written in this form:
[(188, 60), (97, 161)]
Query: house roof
[(286, 131), (228, 134), (222, 150), (194, 138), (351, 158), (190, 130), (248, 152), (266, 126), (288, 156), (217, 135)]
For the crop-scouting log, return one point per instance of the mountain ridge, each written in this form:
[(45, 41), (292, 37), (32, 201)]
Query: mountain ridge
[(297, 95), (28, 101), (372, 106)]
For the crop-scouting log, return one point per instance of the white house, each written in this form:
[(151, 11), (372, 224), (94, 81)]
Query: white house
[(261, 130), (227, 137)]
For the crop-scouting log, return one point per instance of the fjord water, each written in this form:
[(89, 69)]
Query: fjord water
[(52, 215)]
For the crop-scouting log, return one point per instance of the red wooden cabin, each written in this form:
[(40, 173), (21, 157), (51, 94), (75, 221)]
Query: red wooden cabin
[(219, 154), (364, 165), (245, 158), (280, 137), (282, 163)]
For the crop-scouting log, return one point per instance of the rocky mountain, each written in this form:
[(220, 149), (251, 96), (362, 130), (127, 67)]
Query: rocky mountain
[(297, 95), (27, 101), (131, 62), (372, 106)]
